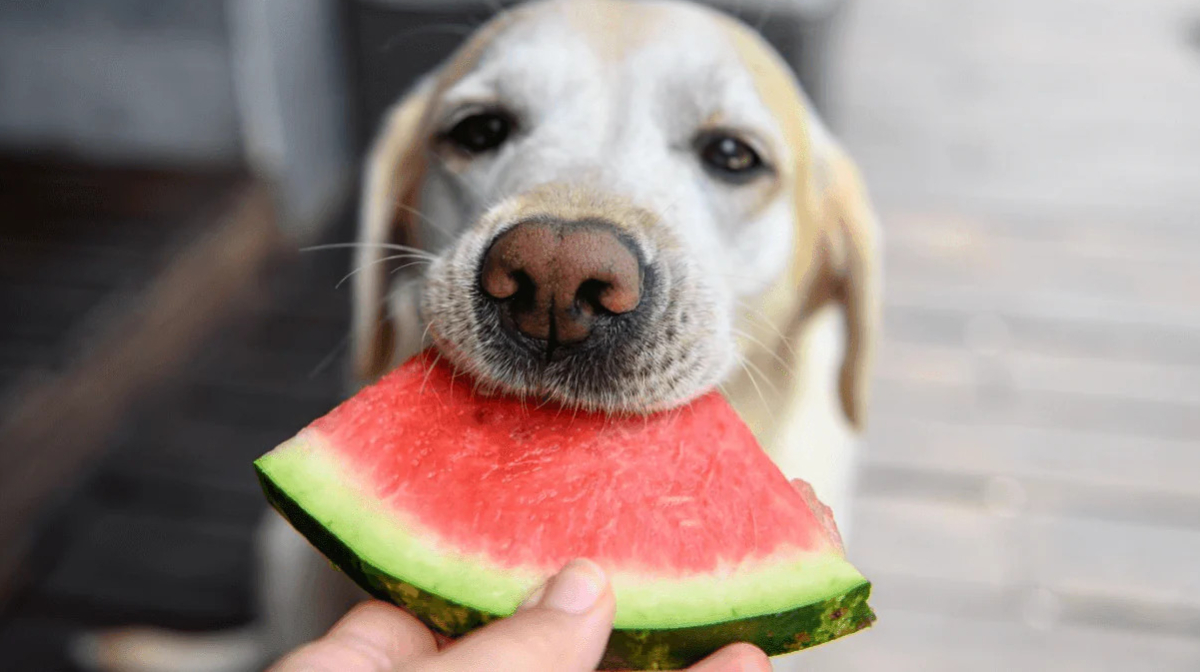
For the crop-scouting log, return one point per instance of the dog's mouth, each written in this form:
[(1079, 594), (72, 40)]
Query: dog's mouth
[(606, 332), (572, 313)]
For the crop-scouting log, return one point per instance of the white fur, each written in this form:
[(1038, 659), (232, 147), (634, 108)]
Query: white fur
[(816, 442)]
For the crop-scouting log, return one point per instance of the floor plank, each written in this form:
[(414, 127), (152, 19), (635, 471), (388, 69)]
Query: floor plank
[(905, 640), (1065, 456), (1023, 371), (1000, 404), (1030, 492)]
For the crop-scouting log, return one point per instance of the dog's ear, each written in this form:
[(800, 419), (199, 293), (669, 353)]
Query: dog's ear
[(392, 181), (848, 269)]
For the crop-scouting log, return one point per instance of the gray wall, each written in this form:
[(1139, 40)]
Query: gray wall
[(257, 84), (139, 81)]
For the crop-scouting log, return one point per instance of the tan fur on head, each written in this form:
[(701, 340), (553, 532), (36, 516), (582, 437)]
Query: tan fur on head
[(390, 206), (850, 275), (834, 260), (576, 200), (393, 176)]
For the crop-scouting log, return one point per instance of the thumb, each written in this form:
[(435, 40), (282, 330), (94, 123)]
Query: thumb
[(564, 626)]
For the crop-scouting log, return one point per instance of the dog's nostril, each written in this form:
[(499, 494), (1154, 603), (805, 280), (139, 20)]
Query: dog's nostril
[(602, 297), (524, 295), (622, 296), (590, 296), (500, 279), (498, 285)]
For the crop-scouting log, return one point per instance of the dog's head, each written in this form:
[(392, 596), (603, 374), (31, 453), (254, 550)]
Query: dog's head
[(622, 199)]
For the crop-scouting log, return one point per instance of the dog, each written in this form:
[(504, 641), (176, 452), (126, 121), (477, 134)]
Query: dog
[(611, 205)]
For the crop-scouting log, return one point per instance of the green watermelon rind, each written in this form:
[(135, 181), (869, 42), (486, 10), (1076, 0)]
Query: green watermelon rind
[(839, 613)]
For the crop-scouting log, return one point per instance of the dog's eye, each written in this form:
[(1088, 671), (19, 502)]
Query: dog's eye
[(480, 132), (728, 157)]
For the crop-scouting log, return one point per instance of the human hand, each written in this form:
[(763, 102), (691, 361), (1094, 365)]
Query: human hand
[(562, 627)]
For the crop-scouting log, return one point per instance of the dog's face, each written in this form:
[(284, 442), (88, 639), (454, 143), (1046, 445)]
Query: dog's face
[(607, 188)]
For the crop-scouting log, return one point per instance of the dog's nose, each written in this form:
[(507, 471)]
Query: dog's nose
[(559, 278)]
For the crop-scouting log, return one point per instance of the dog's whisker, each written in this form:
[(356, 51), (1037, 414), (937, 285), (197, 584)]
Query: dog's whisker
[(432, 224), (386, 246), (425, 332), (453, 376), (752, 310), (384, 260), (755, 317), (429, 371), (401, 267), (765, 377), (765, 321), (757, 389), (546, 401), (328, 359), (782, 362)]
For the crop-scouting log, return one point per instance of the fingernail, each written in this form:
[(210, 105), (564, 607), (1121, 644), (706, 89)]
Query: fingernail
[(576, 588)]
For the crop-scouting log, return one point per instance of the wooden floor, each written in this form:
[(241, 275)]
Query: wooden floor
[(1031, 493)]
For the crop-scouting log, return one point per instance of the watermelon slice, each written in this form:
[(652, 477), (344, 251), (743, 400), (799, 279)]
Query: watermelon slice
[(456, 506)]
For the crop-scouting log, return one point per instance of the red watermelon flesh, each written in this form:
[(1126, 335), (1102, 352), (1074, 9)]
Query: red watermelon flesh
[(457, 505)]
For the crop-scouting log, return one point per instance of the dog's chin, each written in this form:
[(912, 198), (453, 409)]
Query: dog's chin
[(581, 378)]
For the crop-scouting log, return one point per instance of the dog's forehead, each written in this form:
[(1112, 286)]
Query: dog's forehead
[(698, 60)]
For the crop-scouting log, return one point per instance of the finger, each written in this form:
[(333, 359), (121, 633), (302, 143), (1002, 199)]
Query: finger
[(563, 628), (371, 637), (442, 641), (739, 657)]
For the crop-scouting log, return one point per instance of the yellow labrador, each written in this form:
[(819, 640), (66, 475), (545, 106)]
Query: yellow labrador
[(627, 203), (617, 205)]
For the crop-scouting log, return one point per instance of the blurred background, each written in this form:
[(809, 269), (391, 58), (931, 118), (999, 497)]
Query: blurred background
[(1030, 495)]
